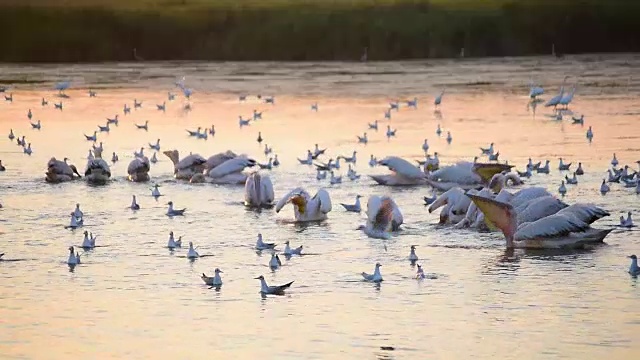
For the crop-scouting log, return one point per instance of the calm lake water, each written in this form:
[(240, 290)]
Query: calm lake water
[(134, 299)]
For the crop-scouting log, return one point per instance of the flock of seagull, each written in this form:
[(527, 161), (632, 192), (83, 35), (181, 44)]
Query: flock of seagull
[(472, 195)]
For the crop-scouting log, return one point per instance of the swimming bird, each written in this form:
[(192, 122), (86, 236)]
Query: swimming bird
[(438, 99), (563, 166), (58, 105), (192, 253), (373, 161), (137, 104), (275, 262), (614, 161), (314, 107), (383, 216), (29, 114), (439, 130), (154, 158), (44, 102), (212, 130), (634, 269), (93, 137), (305, 207), (134, 204), (186, 168), (579, 170), (276, 162), (449, 137), (554, 101), (335, 179), (535, 91), (27, 150), (88, 242), (267, 150), (604, 188), (77, 212), (413, 103), (163, 107), (97, 171), (155, 192), (138, 169), (562, 189), (566, 99), (403, 173), (394, 105), (36, 125), (487, 151), (308, 160), (430, 200), (590, 134), (92, 93), (321, 174), (270, 100), (105, 128), (126, 109), (375, 277), (9, 97), (536, 224), (288, 251), (425, 146), (412, 255), (155, 146), (374, 125), (390, 132), (11, 135), (317, 151), (420, 272), (215, 281), (351, 159), (261, 245), (628, 222), (73, 260), (573, 180), (194, 133), (174, 212), (494, 157), (355, 207), (172, 244), (75, 222), (387, 114), (21, 142), (2, 167), (363, 139), (59, 171), (265, 289), (243, 122), (579, 120), (258, 191), (259, 140), (544, 169)]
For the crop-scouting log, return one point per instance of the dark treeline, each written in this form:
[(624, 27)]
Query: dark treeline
[(317, 32)]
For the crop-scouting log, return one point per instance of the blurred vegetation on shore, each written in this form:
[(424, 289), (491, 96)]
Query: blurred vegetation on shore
[(299, 30)]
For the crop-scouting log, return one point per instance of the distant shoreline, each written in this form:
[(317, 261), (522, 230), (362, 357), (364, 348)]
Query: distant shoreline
[(194, 30)]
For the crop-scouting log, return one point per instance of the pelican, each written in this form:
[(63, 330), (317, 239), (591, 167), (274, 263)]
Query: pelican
[(265, 289), (363, 139), (628, 222), (174, 212), (275, 262), (383, 216), (376, 277), (455, 205), (305, 207), (192, 253), (2, 167), (215, 281), (634, 269), (568, 227), (59, 171), (138, 169), (230, 171), (403, 173), (288, 251), (73, 260), (97, 171), (258, 191), (186, 168), (355, 207)]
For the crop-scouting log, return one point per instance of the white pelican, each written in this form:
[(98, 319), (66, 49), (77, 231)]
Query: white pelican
[(305, 207), (59, 171), (566, 228), (455, 205), (355, 207), (499, 181), (383, 216), (375, 277), (230, 171), (288, 251), (215, 281), (265, 289), (628, 222), (185, 169), (192, 253), (403, 173), (138, 169), (97, 171), (258, 191), (634, 269), (134, 204), (2, 167)]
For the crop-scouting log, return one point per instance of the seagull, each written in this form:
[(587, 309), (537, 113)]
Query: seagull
[(174, 212), (374, 125), (614, 161), (355, 207), (214, 281), (256, 115), (289, 251), (243, 122), (92, 93), (373, 161), (335, 179), (276, 162), (75, 222), (390, 132), (590, 134), (163, 107), (275, 262), (72, 260), (44, 102), (321, 174), (172, 244), (375, 277), (314, 107), (425, 146), (259, 137), (429, 200), (449, 138), (77, 212), (137, 104), (628, 222), (27, 150), (88, 242), (562, 189), (439, 130), (438, 99), (363, 139), (134, 204), (571, 181), (260, 245), (272, 290), (93, 137), (634, 269), (126, 109), (604, 188), (155, 192), (192, 254), (579, 170), (58, 106), (420, 272), (413, 103), (29, 114), (412, 255), (155, 146)]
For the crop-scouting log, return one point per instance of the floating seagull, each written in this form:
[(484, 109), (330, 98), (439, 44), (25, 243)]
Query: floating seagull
[(573, 180), (604, 188), (335, 179), (256, 115), (562, 189), (58, 106), (134, 204), (563, 166), (155, 192), (412, 255), (215, 281), (494, 157), (105, 128), (155, 146), (374, 125), (259, 137), (154, 158), (429, 200), (139, 154), (243, 122), (373, 161), (2, 167), (628, 222), (314, 107), (275, 262), (413, 103), (72, 260), (29, 114), (88, 242), (93, 137), (355, 207), (420, 272), (387, 114), (543, 169), (143, 127), (438, 99), (579, 120), (590, 134), (289, 251), (390, 132), (321, 174), (634, 269), (425, 146), (276, 162), (136, 104), (449, 137), (77, 212), (172, 244), (92, 93), (375, 277), (126, 109), (174, 212), (8, 98), (260, 245), (363, 139), (44, 102), (614, 161), (579, 170), (192, 254), (11, 135), (163, 107), (272, 290), (439, 130), (27, 150), (487, 151)]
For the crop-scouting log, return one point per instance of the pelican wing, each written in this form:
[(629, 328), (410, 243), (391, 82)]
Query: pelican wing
[(258, 190), (290, 196), (267, 190), (324, 200), (190, 161), (486, 171), (380, 213), (218, 159), (526, 195), (556, 225), (460, 173), (538, 209), (230, 166), (402, 167), (587, 213)]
